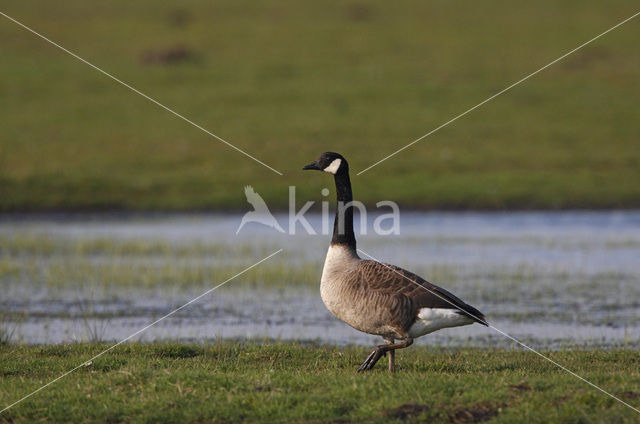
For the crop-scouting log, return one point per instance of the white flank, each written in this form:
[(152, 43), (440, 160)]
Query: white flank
[(433, 319), (333, 166)]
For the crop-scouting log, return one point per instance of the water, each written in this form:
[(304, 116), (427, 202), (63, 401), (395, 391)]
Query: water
[(551, 279)]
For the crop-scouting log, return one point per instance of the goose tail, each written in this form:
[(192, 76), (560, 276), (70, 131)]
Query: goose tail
[(474, 314)]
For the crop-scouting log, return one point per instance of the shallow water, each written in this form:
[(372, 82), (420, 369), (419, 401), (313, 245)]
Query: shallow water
[(549, 278)]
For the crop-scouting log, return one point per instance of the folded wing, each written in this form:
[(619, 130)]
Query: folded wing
[(395, 281)]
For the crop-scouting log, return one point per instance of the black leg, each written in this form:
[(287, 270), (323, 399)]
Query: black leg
[(380, 351), (374, 357)]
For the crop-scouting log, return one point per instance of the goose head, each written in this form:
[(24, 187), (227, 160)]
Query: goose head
[(331, 162)]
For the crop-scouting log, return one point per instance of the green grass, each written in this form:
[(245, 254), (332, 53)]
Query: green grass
[(268, 382), (288, 81)]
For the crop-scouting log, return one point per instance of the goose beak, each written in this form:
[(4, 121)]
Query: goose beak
[(313, 165)]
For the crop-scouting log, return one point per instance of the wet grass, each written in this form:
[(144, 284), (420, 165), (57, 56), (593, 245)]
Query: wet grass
[(40, 244), (78, 273), (275, 382), (287, 81), (7, 329), (103, 268), (114, 264)]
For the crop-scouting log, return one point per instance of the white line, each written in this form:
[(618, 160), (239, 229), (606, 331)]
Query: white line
[(87, 362), (140, 93), (497, 94), (503, 333)]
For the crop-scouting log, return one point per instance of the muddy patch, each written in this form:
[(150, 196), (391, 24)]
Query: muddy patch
[(358, 12), (179, 18), (477, 413), (406, 411), (631, 395), (587, 58), (167, 56), (520, 387)]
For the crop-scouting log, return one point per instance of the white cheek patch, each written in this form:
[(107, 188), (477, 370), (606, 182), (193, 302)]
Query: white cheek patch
[(333, 166)]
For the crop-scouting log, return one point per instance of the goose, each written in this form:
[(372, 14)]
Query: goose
[(378, 298)]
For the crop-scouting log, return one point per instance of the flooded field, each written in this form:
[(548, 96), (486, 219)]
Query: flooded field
[(552, 279)]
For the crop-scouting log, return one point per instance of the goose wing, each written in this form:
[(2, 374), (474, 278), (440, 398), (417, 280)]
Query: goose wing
[(395, 281)]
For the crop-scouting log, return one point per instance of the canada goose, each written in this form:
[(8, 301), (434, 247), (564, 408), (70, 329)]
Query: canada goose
[(377, 298)]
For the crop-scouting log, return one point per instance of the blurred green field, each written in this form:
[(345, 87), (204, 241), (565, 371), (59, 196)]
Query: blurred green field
[(286, 81)]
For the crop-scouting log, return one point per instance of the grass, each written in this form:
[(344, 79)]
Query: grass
[(43, 245), (7, 330), (288, 81), (275, 382)]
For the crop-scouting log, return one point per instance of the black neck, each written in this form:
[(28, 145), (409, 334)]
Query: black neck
[(343, 224)]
